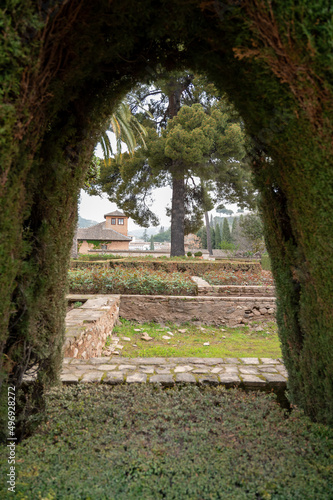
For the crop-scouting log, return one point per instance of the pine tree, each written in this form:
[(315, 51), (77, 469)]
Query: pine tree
[(145, 235), (152, 247)]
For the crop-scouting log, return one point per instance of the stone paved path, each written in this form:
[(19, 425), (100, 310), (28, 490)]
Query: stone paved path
[(250, 373)]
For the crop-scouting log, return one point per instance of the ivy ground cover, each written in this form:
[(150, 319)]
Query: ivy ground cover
[(130, 281), (237, 277), (129, 443)]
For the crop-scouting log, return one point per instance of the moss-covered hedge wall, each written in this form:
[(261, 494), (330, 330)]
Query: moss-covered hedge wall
[(64, 65)]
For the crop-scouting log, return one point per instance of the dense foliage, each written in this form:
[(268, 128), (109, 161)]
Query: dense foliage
[(138, 281), (65, 66), (130, 443)]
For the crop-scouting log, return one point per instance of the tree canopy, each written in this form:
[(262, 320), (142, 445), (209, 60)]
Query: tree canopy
[(202, 148)]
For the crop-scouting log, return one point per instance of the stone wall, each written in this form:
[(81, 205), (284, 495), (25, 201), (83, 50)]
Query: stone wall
[(228, 311), (205, 288), (88, 326)]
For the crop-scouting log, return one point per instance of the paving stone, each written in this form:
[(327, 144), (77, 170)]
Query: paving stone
[(66, 361), (269, 361), (106, 368), (113, 378), (183, 369), (201, 370), (185, 378), (229, 379), (183, 361), (166, 380), (212, 361), (250, 361), (163, 371), (126, 367), (217, 369), (76, 361), (248, 370), (275, 379), (83, 367), (252, 380), (91, 377), (151, 361), (69, 378), (233, 361), (147, 369), (230, 369), (100, 360), (268, 369), (136, 378), (210, 380)]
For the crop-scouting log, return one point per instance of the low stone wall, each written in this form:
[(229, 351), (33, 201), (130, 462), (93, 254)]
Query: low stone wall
[(228, 311), (204, 288), (88, 326)]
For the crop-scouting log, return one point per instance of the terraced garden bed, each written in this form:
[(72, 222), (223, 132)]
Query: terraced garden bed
[(188, 340), (130, 281)]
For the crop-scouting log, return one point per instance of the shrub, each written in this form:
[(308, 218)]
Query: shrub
[(198, 254), (139, 281), (189, 254)]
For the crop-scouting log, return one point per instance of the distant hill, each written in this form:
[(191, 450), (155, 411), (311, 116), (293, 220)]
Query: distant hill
[(86, 222)]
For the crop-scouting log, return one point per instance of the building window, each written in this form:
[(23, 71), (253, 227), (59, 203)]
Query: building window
[(121, 222), (104, 247), (113, 222)]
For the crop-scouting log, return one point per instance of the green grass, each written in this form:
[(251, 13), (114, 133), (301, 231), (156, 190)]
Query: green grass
[(224, 342), (190, 443)]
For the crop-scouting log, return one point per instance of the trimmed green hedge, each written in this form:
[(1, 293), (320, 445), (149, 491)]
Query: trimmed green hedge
[(139, 281), (143, 442), (194, 268)]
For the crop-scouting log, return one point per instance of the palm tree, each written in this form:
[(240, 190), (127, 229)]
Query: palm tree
[(126, 128)]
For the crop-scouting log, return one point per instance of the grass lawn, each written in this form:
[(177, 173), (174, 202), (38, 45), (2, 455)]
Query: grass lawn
[(189, 443), (188, 341)]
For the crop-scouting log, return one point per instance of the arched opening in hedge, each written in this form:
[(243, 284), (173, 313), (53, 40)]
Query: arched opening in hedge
[(66, 65)]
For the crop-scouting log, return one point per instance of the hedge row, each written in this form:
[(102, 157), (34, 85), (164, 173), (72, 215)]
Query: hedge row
[(194, 268), (130, 281)]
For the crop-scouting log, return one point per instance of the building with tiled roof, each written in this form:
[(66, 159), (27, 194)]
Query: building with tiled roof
[(110, 235)]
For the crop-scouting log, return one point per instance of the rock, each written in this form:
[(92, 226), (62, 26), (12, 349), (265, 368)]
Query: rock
[(271, 311), (170, 333), (127, 339), (120, 347), (165, 337), (116, 353), (137, 329), (134, 345), (182, 331), (146, 337), (206, 343), (256, 312)]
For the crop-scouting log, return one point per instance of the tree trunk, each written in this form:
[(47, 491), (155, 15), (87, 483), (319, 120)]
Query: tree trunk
[(209, 239), (177, 217)]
